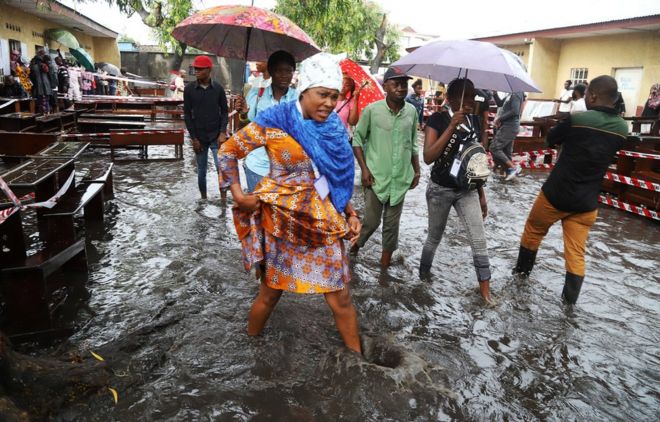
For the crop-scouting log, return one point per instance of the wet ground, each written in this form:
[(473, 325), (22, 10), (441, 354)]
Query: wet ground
[(435, 352)]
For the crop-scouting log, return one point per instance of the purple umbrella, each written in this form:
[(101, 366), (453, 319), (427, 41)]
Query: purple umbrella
[(485, 64)]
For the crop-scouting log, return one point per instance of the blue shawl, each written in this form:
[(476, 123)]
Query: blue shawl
[(325, 143)]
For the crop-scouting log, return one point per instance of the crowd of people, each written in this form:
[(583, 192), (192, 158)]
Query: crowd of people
[(46, 79), (299, 147)]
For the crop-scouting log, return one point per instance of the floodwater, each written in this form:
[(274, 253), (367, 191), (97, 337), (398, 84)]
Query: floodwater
[(434, 351)]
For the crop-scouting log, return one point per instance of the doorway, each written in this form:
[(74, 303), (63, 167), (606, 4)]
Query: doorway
[(629, 80)]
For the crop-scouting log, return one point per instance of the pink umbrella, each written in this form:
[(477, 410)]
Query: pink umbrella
[(371, 90), (244, 32)]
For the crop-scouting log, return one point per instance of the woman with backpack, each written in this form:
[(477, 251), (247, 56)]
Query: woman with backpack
[(460, 169)]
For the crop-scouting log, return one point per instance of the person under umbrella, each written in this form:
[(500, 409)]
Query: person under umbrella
[(292, 227), (449, 131), (281, 66)]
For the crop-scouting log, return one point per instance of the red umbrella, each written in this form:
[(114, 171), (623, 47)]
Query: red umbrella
[(244, 32), (371, 90)]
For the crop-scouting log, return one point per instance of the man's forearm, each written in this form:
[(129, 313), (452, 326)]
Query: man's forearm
[(359, 156)]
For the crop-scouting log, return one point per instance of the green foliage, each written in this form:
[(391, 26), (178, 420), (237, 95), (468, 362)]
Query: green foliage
[(126, 38), (342, 26)]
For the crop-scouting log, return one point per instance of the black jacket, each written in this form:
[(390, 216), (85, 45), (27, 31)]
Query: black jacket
[(205, 111), (589, 143)]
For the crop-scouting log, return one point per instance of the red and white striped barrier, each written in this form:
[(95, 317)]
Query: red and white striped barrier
[(538, 152), (18, 203), (639, 155), (632, 181), (631, 208), (528, 165)]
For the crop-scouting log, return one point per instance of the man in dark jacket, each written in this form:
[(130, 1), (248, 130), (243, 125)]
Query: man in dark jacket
[(589, 143), (205, 112)]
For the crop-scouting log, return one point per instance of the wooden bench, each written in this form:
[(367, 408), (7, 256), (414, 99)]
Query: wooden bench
[(105, 125), (60, 218), (31, 312), (113, 116), (16, 122), (145, 139), (17, 143), (27, 282), (99, 172)]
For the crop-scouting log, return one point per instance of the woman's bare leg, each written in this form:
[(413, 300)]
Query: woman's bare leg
[(261, 308), (345, 318)]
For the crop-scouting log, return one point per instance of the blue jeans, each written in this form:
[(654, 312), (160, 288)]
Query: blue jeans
[(251, 178), (203, 162), (440, 199)]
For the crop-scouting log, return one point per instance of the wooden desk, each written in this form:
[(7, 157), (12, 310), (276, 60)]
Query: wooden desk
[(25, 143), (43, 176), (638, 121), (16, 122), (19, 105), (64, 150)]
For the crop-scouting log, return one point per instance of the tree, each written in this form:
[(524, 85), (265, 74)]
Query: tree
[(356, 27), (126, 38), (162, 16)]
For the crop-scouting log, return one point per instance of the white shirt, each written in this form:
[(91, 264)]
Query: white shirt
[(578, 106), (566, 95)]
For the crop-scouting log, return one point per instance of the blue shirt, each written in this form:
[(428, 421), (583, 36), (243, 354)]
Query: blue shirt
[(257, 160)]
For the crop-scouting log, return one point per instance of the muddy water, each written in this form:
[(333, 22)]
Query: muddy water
[(434, 351)]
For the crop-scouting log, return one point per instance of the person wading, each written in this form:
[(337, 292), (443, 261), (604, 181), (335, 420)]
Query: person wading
[(291, 227), (206, 114), (385, 146)]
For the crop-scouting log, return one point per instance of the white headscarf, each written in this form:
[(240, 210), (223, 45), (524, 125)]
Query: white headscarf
[(321, 69)]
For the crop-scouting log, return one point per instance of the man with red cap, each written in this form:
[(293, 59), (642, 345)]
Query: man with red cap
[(206, 114)]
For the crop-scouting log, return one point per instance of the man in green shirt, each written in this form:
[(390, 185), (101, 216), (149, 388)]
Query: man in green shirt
[(385, 146)]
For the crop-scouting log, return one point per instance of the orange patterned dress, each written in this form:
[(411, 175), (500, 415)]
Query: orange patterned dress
[(295, 233)]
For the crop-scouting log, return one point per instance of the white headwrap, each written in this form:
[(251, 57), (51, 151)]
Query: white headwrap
[(321, 69)]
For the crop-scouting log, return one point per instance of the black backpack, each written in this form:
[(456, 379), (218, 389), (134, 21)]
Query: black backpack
[(469, 168)]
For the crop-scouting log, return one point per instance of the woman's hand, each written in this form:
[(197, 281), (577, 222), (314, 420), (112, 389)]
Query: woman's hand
[(354, 228), (248, 202), (457, 118), (245, 202)]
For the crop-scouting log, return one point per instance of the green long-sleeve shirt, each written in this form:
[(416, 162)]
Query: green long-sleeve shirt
[(389, 140)]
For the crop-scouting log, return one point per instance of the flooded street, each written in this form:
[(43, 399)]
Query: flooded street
[(435, 352)]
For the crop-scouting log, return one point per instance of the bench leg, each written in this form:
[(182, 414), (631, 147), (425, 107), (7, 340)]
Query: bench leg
[(26, 301), (108, 188), (61, 232), (94, 208)]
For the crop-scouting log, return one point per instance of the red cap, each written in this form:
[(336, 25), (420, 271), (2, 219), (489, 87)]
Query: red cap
[(202, 61)]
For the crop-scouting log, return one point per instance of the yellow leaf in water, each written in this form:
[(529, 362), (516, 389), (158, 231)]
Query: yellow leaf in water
[(114, 394), (96, 356)]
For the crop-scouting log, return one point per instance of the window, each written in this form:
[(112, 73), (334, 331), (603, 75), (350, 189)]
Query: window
[(579, 75), (16, 45)]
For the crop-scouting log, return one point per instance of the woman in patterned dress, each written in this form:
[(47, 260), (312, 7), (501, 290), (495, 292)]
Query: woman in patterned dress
[(291, 227)]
